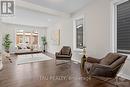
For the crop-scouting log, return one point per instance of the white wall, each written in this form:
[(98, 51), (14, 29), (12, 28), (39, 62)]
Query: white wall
[(66, 33), (28, 17), (0, 38), (98, 31), (26, 20), (8, 29), (97, 27)]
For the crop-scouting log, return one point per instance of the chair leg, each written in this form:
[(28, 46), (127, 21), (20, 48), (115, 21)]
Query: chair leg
[(117, 80), (55, 61), (70, 61)]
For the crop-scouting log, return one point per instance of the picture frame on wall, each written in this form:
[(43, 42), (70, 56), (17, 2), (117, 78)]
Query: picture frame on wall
[(55, 37)]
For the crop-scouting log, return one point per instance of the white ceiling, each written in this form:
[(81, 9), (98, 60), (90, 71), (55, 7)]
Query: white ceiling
[(28, 17), (68, 6), (43, 13)]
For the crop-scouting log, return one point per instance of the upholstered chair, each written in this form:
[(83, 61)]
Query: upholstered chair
[(64, 54), (109, 66)]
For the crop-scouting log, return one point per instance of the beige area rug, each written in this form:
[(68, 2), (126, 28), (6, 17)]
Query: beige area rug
[(29, 58)]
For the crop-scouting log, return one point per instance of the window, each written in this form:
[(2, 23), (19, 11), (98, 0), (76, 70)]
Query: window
[(27, 38), (19, 37), (78, 33), (123, 27)]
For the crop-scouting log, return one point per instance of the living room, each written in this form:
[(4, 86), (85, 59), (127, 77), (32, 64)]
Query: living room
[(58, 22)]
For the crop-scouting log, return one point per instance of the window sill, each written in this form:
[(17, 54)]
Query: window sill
[(128, 55)]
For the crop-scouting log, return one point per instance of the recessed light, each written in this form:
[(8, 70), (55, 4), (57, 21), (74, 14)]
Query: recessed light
[(49, 20), (56, 0)]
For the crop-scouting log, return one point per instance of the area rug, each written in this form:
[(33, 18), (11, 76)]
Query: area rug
[(29, 58)]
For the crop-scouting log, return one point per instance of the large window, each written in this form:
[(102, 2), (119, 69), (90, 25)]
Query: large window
[(123, 27), (30, 38), (78, 33)]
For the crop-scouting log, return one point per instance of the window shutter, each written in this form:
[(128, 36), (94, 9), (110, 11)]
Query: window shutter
[(123, 27)]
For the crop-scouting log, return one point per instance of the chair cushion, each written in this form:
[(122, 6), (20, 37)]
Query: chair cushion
[(109, 58), (65, 51)]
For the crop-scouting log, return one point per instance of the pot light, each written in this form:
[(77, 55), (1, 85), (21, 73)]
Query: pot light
[(56, 0), (49, 20)]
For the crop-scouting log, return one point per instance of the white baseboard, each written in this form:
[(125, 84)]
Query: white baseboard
[(76, 60), (124, 76)]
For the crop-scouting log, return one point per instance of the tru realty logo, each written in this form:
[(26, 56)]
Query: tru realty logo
[(7, 7)]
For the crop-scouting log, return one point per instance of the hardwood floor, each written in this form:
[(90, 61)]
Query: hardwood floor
[(47, 74)]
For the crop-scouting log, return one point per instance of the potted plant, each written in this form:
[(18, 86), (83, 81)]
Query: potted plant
[(44, 43), (7, 42)]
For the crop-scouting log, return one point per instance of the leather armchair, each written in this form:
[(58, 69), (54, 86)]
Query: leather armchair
[(64, 54), (108, 66)]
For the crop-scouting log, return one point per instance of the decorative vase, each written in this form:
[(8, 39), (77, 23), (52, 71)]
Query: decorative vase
[(83, 59), (44, 50)]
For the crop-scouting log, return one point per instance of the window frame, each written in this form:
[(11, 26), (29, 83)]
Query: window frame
[(25, 32), (113, 35), (75, 33)]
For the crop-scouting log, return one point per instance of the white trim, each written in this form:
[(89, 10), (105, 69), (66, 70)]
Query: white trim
[(0, 43), (76, 60), (15, 38), (124, 76), (117, 2), (39, 8), (114, 4)]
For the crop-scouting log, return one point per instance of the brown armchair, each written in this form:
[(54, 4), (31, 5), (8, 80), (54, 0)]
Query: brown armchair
[(64, 54), (108, 66)]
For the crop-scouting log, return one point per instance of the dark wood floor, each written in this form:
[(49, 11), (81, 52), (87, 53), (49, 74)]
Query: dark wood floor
[(47, 74)]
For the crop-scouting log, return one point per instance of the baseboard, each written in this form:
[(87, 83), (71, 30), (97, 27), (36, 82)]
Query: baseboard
[(124, 76), (76, 60)]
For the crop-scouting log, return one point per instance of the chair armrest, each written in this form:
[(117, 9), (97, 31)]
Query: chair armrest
[(101, 70), (70, 54), (93, 60), (102, 66), (57, 53)]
